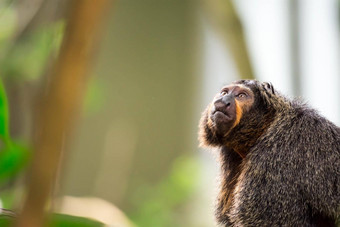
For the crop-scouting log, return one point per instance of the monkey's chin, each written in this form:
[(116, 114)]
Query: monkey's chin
[(219, 116), (222, 122)]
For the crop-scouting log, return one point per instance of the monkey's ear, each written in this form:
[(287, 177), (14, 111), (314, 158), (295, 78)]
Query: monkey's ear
[(268, 87)]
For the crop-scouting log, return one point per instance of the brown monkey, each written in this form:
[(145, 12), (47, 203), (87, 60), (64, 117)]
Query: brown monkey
[(280, 159)]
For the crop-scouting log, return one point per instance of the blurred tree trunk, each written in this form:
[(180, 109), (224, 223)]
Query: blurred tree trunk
[(223, 16), (60, 105)]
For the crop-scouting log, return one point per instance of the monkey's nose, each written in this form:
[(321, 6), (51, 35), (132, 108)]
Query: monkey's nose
[(223, 106), (219, 104), (227, 100)]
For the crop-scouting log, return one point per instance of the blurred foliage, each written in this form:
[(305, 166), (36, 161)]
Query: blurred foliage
[(32, 53), (158, 205), (7, 25), (12, 160), (4, 134), (6, 221), (13, 155), (57, 220), (22, 58), (95, 96), (26, 57), (8, 197), (63, 220)]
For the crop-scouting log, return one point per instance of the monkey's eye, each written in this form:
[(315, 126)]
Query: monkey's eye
[(241, 95), (223, 92)]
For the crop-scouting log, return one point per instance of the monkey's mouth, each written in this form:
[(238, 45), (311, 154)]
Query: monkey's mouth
[(222, 120), (220, 114)]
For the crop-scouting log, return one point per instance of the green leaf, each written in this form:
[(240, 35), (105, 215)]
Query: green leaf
[(63, 220), (6, 221), (12, 159), (57, 220), (4, 134)]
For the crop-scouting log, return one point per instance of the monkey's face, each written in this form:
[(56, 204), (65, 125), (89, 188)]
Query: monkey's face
[(228, 106), (225, 112)]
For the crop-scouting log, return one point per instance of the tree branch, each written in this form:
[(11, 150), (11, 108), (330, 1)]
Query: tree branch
[(60, 105)]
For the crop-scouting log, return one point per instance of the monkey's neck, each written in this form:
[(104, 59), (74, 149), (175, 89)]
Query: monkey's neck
[(241, 148), (242, 141), (230, 167), (242, 152), (245, 135)]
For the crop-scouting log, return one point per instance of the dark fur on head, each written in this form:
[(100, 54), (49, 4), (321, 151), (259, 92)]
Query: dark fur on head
[(253, 123), (280, 163)]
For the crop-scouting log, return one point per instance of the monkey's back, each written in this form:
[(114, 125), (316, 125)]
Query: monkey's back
[(291, 177)]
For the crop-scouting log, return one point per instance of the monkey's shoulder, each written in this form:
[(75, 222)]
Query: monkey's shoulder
[(298, 135), (300, 123)]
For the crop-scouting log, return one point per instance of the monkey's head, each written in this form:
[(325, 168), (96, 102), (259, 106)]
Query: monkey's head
[(238, 115)]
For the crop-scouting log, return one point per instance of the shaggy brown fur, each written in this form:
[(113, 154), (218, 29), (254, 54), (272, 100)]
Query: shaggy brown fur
[(280, 163)]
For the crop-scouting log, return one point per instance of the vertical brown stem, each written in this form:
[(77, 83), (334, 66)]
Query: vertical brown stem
[(60, 105)]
